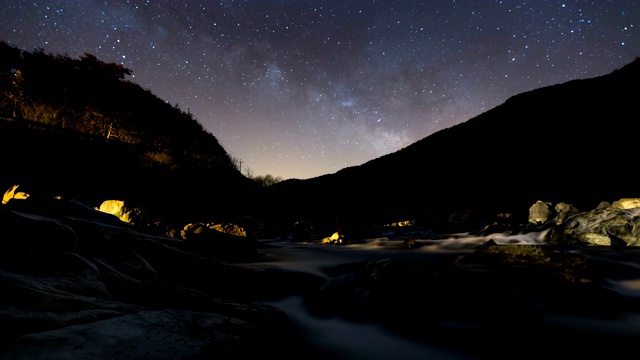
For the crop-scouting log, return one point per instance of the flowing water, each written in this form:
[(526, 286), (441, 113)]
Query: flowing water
[(342, 339)]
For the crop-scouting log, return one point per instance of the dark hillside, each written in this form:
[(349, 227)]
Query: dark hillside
[(76, 128), (571, 142), (93, 169), (93, 97)]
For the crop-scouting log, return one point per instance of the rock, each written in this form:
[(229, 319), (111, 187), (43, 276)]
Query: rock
[(124, 211), (612, 226), (202, 239), (564, 211), (540, 212), (54, 207), (626, 203), (336, 238), (229, 228), (12, 193)]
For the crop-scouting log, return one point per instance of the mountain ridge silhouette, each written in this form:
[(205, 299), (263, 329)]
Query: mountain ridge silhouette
[(567, 142)]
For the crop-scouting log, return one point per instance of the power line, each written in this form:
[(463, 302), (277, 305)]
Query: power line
[(234, 158)]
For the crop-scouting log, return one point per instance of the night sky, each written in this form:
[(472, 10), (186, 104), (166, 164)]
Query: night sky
[(298, 89)]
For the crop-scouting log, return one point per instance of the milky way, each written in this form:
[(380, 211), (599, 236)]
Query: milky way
[(298, 89)]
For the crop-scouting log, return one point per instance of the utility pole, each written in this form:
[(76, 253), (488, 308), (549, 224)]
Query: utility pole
[(240, 165)]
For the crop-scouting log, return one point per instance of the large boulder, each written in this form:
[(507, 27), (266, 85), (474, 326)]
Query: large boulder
[(540, 212), (210, 241), (125, 211)]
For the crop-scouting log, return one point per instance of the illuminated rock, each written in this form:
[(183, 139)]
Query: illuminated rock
[(603, 227), (540, 212), (203, 239), (336, 238), (233, 229), (12, 193), (626, 203), (124, 211), (564, 211)]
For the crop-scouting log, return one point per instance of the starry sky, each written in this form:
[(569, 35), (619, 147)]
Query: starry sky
[(298, 89)]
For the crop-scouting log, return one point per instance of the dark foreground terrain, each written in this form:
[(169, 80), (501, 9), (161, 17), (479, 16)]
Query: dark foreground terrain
[(84, 284)]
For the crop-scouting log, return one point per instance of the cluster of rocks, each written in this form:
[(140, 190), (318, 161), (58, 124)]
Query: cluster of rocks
[(609, 224)]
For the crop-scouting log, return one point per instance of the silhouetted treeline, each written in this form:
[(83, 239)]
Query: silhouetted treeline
[(266, 180), (93, 97)]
